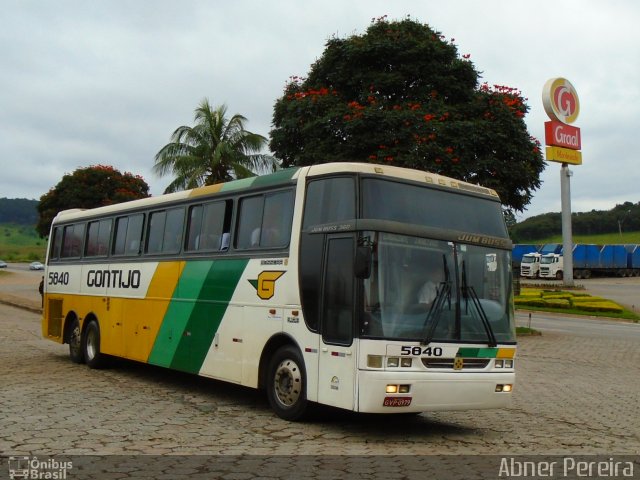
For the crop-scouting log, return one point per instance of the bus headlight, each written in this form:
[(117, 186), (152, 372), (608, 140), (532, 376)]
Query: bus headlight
[(406, 362), (507, 387), (508, 364), (499, 364), (392, 389), (393, 362)]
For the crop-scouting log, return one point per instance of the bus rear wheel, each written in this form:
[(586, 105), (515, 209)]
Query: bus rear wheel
[(286, 384), (93, 357), (75, 342)]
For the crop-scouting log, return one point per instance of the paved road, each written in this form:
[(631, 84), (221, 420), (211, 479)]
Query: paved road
[(575, 395), (580, 326)]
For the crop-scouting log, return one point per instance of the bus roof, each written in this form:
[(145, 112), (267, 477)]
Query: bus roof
[(281, 177)]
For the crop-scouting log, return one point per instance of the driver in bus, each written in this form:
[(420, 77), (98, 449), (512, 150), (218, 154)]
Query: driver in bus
[(429, 290)]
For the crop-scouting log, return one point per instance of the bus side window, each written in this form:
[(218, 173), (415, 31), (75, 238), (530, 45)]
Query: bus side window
[(133, 238), (207, 226), (126, 240), (98, 234), (265, 220), (250, 213), (173, 231), (54, 253), (72, 241), (165, 231), (329, 200)]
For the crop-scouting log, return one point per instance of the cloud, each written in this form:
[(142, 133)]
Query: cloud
[(85, 83)]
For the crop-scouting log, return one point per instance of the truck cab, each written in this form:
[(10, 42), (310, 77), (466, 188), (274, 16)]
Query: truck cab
[(530, 266), (551, 266)]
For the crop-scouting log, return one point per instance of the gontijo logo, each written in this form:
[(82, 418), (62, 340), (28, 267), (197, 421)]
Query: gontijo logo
[(265, 284), (560, 100)]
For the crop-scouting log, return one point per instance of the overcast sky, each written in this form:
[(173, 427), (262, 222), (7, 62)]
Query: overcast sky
[(107, 81)]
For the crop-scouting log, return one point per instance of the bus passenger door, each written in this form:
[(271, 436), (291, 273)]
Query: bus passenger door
[(337, 356)]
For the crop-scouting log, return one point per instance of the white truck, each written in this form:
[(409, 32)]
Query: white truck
[(530, 265), (551, 266)]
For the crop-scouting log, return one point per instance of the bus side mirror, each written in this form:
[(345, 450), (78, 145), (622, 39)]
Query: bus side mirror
[(362, 265)]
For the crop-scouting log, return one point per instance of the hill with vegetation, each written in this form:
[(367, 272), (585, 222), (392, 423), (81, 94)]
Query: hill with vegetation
[(19, 241), (18, 211), (621, 224)]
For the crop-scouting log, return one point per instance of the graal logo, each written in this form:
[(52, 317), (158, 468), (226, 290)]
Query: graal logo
[(32, 468)]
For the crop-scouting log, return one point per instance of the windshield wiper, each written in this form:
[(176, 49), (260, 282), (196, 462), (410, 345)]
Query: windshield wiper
[(469, 292), (443, 294)]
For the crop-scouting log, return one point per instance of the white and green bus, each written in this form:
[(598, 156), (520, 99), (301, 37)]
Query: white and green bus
[(364, 287)]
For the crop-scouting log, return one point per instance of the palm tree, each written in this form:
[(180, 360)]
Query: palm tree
[(217, 149)]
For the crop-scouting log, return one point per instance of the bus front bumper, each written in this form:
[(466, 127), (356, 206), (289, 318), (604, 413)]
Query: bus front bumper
[(398, 392)]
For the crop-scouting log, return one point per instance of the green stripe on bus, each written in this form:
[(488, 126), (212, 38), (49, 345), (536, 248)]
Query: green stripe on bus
[(238, 184), (215, 293), (281, 176), (477, 352), (178, 313)]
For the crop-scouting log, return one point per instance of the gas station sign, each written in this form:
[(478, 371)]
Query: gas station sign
[(560, 101)]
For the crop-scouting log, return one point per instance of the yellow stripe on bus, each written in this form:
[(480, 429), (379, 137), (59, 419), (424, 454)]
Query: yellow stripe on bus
[(506, 353)]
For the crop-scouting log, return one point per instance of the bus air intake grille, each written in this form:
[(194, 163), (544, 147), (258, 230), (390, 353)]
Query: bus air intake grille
[(55, 318), (448, 363)]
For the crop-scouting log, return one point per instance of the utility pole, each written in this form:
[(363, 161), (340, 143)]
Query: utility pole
[(567, 236)]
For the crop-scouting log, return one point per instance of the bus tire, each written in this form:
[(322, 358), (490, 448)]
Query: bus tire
[(93, 357), (559, 275), (76, 352), (287, 383)]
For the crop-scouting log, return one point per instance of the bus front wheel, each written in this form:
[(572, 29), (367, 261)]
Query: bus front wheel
[(286, 384), (91, 346)]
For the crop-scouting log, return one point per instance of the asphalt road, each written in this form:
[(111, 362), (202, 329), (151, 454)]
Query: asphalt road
[(576, 393), (580, 326)]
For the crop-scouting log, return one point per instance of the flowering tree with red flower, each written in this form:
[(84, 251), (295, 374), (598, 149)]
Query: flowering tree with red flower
[(89, 187), (402, 95)]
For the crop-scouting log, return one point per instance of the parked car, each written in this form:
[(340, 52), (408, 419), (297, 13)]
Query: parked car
[(36, 266), (3, 264)]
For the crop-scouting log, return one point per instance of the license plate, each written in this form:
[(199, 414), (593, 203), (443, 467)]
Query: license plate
[(396, 402)]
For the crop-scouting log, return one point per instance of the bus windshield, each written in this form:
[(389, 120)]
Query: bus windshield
[(434, 290)]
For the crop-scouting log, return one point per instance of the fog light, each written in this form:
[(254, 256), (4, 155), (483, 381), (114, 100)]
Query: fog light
[(404, 388), (392, 388), (499, 388), (499, 364), (508, 364), (393, 362), (406, 362), (374, 361)]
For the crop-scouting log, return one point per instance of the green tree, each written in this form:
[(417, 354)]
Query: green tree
[(89, 187), (400, 94), (217, 149)]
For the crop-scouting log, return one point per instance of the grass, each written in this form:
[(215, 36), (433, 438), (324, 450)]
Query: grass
[(571, 302), (600, 239), (21, 243), (526, 331)]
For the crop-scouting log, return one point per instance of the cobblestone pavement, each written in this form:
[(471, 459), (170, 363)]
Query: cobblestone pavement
[(575, 395)]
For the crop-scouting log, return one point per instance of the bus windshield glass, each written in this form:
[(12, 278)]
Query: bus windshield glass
[(417, 205), (433, 290)]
